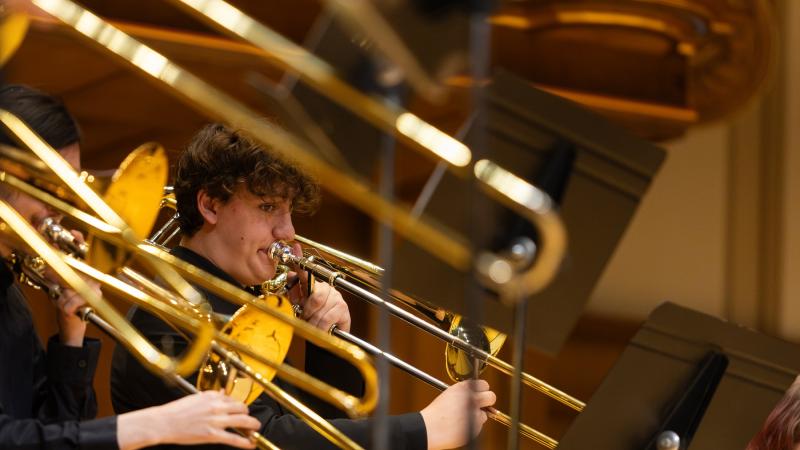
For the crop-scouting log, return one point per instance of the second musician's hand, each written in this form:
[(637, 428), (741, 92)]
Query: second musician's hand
[(71, 327), (324, 307)]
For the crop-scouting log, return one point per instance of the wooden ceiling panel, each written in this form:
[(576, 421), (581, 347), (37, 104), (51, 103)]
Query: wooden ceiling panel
[(49, 59), (127, 99), (119, 108), (291, 18)]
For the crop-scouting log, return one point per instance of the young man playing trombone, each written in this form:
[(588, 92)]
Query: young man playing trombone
[(46, 398), (234, 199)]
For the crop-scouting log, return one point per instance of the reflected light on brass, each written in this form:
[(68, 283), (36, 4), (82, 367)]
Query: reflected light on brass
[(510, 185), (439, 142), (150, 61), (500, 271)]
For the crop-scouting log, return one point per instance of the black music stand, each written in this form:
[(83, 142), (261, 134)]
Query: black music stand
[(711, 382), (596, 170)]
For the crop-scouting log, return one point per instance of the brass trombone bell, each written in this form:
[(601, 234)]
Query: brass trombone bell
[(269, 336), (130, 191), (13, 28), (460, 365)]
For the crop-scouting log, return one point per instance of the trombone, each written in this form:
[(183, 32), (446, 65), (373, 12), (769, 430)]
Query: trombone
[(30, 270), (176, 308), (348, 273)]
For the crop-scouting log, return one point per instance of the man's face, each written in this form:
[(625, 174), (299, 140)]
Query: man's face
[(244, 228), (33, 210)]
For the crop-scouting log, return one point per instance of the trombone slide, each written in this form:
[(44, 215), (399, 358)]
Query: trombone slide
[(282, 252), (491, 412)]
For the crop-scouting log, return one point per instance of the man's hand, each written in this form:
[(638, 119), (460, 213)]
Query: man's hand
[(447, 416), (325, 306), (195, 419), (71, 327)]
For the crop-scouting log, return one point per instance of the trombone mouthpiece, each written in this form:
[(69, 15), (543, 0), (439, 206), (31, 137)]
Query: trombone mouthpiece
[(280, 251), (62, 238)]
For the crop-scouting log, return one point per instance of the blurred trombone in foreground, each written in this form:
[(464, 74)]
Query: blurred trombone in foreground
[(494, 270)]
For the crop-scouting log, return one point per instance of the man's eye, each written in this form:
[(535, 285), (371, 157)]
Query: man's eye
[(267, 207)]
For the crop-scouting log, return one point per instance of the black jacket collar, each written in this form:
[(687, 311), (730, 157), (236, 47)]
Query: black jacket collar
[(217, 303), (203, 263), (6, 276)]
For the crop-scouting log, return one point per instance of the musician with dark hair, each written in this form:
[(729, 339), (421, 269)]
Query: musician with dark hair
[(235, 198), (46, 398)]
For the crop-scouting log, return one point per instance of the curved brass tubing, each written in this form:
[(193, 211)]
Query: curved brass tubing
[(137, 344)]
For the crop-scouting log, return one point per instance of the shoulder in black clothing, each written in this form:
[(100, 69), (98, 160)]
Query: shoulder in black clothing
[(45, 397)]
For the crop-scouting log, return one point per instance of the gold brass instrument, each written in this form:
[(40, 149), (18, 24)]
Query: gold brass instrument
[(183, 312), (13, 27), (360, 278), (221, 342), (129, 191), (156, 361), (30, 270)]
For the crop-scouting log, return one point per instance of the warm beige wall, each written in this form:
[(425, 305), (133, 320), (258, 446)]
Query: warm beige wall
[(719, 231), (790, 294), (674, 248)]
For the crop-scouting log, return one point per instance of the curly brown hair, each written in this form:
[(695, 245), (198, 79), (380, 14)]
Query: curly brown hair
[(218, 158)]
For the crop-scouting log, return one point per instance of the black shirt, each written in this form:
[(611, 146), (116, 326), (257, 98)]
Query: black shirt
[(45, 396), (133, 387)]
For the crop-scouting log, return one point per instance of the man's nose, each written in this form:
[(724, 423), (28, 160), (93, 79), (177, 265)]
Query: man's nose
[(285, 230)]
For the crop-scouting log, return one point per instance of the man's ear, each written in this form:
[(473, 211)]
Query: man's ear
[(207, 206)]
